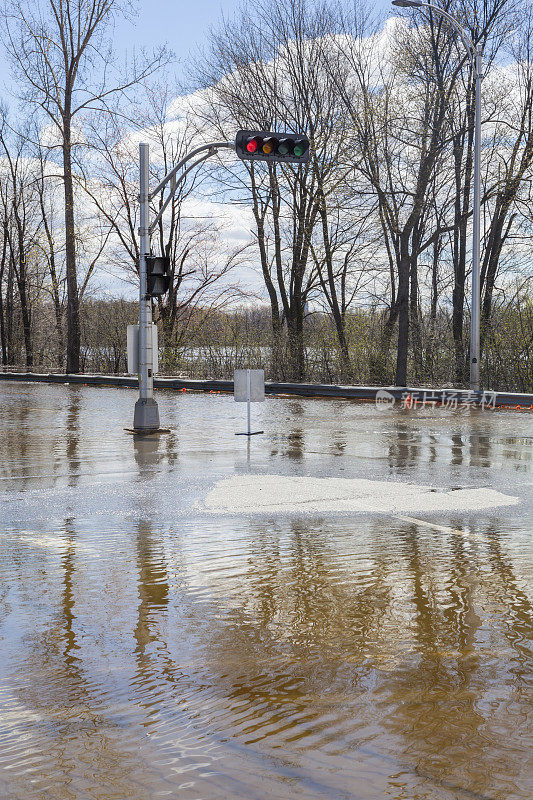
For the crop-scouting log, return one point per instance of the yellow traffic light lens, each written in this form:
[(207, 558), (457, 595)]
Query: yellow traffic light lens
[(268, 147)]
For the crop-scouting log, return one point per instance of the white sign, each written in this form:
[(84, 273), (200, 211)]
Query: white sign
[(252, 389), (248, 387)]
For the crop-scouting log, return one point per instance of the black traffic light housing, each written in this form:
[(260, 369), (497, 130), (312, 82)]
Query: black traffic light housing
[(157, 275), (274, 147)]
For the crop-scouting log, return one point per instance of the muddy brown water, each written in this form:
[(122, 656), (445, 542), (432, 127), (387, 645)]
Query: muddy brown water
[(149, 650)]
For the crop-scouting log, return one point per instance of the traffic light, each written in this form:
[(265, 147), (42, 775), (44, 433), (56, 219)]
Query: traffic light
[(157, 275), (273, 147)]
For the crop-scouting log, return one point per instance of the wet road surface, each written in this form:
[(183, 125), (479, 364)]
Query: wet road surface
[(153, 650)]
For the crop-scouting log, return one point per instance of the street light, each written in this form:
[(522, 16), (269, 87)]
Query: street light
[(475, 56)]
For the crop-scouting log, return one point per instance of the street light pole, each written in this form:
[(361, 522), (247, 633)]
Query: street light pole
[(475, 321), (476, 58)]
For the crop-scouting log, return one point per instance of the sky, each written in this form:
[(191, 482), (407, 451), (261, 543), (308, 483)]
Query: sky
[(182, 25)]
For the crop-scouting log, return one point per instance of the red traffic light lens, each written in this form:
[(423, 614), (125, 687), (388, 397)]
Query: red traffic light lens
[(251, 145)]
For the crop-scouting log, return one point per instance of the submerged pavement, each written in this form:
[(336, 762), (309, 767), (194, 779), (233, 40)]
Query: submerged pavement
[(338, 608), (281, 494)]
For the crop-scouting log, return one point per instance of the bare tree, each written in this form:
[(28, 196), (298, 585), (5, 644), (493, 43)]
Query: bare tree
[(51, 243), (265, 71), (200, 263), (21, 227), (397, 101), (61, 52)]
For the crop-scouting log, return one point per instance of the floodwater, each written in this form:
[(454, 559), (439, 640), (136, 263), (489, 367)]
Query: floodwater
[(150, 649)]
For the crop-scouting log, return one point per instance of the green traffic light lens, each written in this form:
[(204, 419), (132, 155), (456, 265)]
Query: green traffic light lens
[(283, 149), (299, 150)]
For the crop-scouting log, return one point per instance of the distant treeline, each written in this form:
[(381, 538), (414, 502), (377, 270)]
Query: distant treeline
[(214, 343)]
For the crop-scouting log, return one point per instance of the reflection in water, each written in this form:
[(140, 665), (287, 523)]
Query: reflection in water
[(150, 651), (457, 449), (406, 631), (156, 672), (67, 601), (518, 605), (333, 648), (16, 441), (153, 587), (72, 435), (147, 454), (404, 447), (292, 444), (480, 449)]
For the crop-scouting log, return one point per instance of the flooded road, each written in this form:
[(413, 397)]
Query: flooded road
[(151, 649)]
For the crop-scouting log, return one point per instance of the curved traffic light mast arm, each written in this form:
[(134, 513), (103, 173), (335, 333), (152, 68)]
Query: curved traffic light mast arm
[(173, 187), (211, 148)]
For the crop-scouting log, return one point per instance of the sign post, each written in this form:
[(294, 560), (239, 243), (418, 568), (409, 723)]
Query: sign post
[(249, 387)]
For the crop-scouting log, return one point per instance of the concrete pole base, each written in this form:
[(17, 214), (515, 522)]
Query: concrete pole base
[(146, 415)]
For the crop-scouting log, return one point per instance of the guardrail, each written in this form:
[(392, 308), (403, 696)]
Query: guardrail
[(415, 394)]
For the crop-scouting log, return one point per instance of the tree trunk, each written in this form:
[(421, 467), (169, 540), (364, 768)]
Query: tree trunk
[(463, 181), (403, 311), (435, 279), (55, 284), (73, 307), (276, 331), (9, 314), (296, 345), (3, 341), (378, 361), (25, 313), (414, 308), (331, 294), (59, 331)]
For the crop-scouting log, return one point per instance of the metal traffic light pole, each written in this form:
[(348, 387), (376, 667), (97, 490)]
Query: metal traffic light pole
[(146, 414)]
